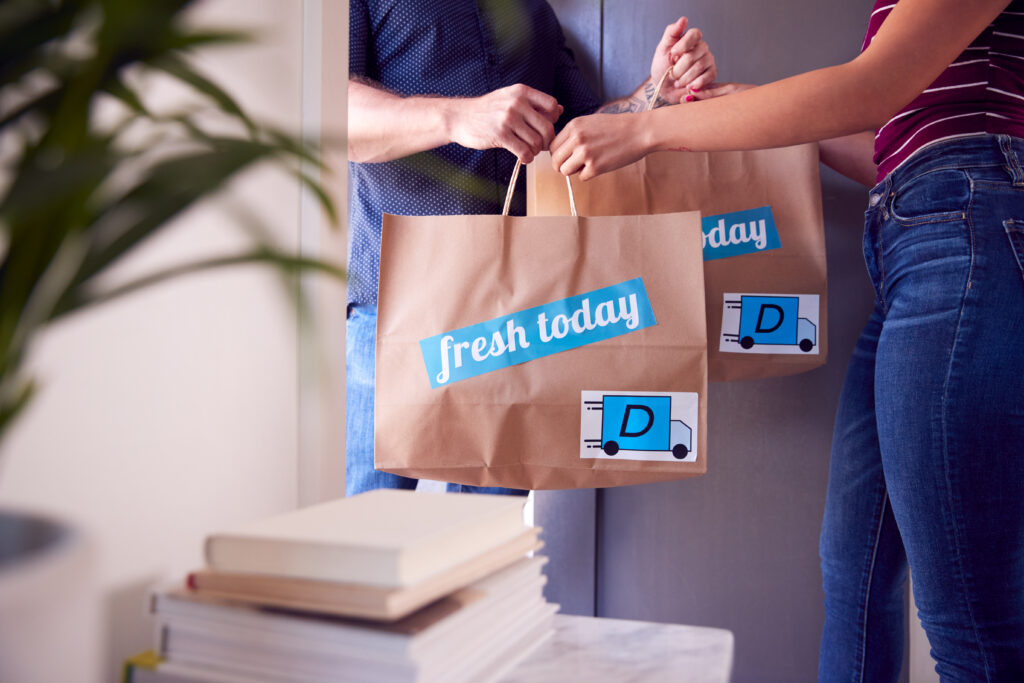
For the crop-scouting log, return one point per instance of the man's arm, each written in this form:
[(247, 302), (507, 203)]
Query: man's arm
[(685, 48), (383, 125), (637, 101)]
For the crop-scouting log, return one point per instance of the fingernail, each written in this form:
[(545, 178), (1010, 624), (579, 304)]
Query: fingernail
[(689, 98), (695, 89)]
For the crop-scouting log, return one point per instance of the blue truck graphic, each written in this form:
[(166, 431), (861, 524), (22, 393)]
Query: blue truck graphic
[(772, 320), (640, 423)]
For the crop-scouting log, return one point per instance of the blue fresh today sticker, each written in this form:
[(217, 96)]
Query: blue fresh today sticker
[(739, 232), (537, 332)]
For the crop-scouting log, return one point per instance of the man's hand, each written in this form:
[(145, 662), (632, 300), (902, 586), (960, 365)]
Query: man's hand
[(517, 118), (384, 125), (693, 65)]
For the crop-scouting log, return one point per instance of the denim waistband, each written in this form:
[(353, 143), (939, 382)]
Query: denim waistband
[(974, 151)]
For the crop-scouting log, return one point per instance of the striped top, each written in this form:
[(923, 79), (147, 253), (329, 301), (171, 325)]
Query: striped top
[(982, 91)]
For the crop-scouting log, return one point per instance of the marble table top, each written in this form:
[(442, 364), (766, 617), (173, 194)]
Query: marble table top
[(600, 650)]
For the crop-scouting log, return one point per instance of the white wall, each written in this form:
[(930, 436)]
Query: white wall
[(175, 412), (324, 414)]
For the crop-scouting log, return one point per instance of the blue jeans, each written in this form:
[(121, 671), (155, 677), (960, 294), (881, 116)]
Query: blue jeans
[(928, 449), (361, 339)]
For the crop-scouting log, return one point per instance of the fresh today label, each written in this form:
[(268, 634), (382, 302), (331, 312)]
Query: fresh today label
[(537, 332), (739, 232)]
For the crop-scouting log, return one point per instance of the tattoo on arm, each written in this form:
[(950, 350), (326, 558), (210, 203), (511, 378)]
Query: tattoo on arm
[(624, 106), (634, 102), (649, 92)]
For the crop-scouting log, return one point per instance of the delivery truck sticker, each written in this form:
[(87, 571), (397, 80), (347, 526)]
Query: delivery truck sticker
[(638, 426), (770, 323)]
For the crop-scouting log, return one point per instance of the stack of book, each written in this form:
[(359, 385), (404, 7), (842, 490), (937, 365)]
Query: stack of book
[(384, 586)]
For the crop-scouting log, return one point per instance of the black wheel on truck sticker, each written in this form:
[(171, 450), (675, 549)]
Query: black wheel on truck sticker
[(747, 342), (611, 448), (806, 345), (680, 451)]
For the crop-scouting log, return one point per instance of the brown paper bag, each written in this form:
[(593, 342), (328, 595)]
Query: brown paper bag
[(766, 308), (618, 398)]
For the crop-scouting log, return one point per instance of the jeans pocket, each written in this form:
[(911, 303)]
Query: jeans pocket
[(1015, 233), (937, 196)]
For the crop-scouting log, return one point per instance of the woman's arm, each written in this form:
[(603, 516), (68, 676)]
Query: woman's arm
[(852, 156), (918, 40)]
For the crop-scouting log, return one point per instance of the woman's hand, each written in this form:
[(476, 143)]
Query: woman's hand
[(720, 89), (693, 65), (592, 145), (596, 144)]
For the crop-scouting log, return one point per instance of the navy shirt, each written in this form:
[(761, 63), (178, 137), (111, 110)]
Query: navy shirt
[(451, 48)]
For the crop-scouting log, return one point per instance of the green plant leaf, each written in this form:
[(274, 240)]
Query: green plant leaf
[(44, 207), (180, 69), (169, 188), (29, 26), (42, 104), (119, 89), (321, 195), (187, 42), (286, 262), (302, 149), (66, 214), (13, 402)]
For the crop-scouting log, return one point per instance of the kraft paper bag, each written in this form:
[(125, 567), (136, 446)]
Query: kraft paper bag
[(763, 245), (541, 353)]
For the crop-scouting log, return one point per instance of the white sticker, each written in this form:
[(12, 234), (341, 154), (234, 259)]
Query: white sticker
[(770, 323), (652, 425)]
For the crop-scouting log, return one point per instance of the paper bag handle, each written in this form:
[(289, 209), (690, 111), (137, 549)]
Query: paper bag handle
[(512, 187), (568, 182), (657, 89)]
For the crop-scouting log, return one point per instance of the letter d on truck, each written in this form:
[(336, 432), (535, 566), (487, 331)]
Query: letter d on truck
[(642, 423), (775, 322), (625, 426)]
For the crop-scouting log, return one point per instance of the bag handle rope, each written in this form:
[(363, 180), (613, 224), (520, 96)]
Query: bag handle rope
[(512, 187), (657, 89), (568, 182)]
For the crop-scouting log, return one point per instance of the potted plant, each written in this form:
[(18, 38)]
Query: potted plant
[(76, 197)]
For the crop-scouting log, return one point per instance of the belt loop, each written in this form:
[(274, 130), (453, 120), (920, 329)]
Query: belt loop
[(1013, 166)]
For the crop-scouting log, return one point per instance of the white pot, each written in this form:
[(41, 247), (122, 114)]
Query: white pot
[(50, 628)]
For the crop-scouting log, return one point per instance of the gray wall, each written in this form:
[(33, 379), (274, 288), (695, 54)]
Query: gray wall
[(736, 548)]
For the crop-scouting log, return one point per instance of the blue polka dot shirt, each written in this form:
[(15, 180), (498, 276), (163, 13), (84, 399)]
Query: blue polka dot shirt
[(451, 48)]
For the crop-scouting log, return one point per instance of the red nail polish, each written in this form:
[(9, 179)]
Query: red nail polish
[(689, 98), (695, 89)]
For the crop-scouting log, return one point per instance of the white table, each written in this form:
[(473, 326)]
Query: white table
[(598, 650)]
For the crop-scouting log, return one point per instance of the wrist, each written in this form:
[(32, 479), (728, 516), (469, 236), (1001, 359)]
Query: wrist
[(650, 140), (441, 114)]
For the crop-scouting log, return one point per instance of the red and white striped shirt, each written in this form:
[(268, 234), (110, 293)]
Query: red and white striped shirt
[(982, 91)]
